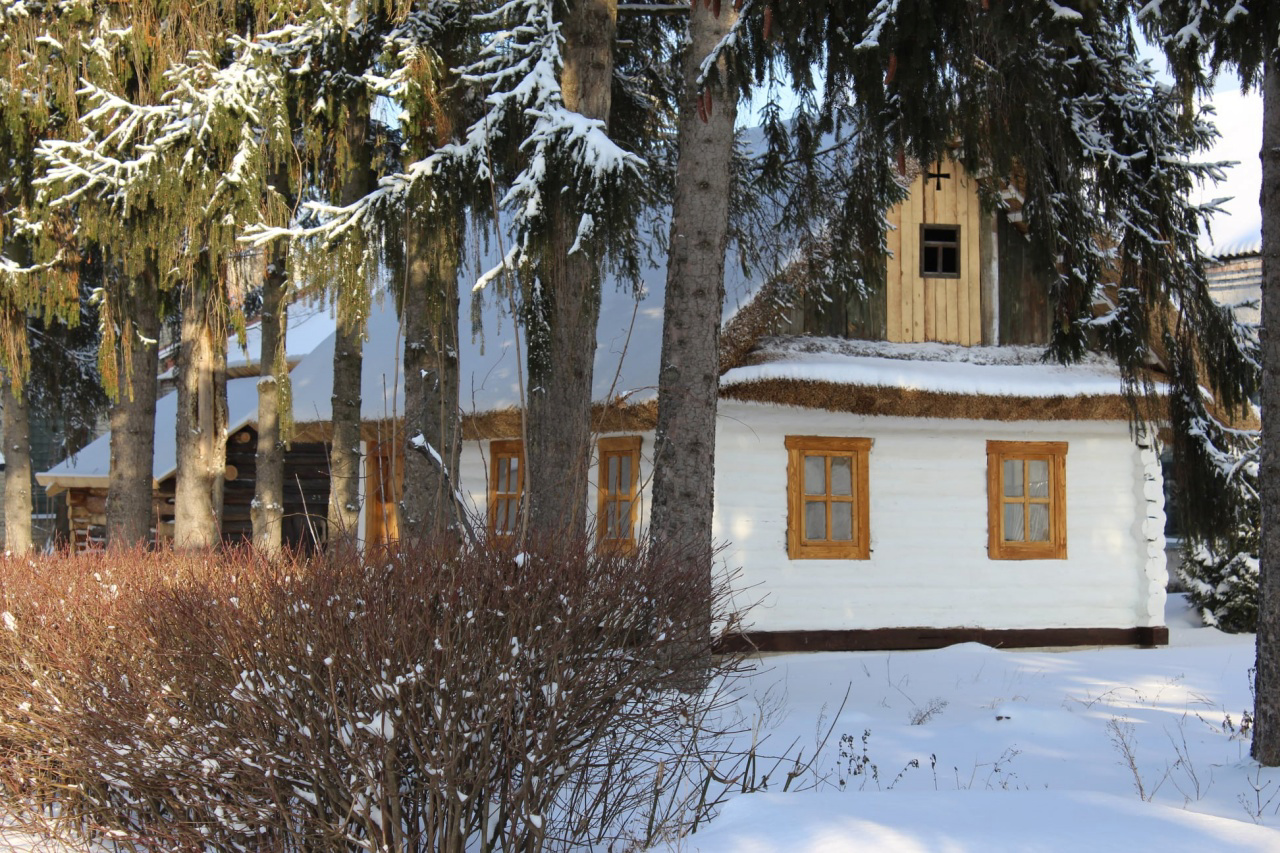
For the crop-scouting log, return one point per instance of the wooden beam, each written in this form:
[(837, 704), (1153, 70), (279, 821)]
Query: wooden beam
[(879, 639), (653, 8)]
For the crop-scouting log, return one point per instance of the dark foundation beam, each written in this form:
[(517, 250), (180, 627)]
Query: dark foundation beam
[(902, 639)]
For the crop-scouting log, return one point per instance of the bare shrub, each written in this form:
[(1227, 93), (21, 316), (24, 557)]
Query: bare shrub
[(920, 715), (424, 698)]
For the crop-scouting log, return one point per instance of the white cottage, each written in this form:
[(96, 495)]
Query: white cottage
[(920, 479), (871, 498), (915, 476)]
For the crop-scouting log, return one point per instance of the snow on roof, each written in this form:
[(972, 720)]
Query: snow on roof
[(940, 368), (92, 464), (310, 322), (1251, 245), (628, 344)]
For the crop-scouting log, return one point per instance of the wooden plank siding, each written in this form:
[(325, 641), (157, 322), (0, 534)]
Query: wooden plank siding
[(1024, 282), (947, 309), (306, 493)]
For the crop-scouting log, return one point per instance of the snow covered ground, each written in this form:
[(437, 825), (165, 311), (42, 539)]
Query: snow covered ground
[(973, 749), (969, 748)]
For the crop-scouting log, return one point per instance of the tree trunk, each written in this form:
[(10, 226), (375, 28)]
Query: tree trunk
[(17, 461), (430, 310), (201, 427), (688, 383), (130, 510), (267, 510), (1266, 714), (348, 356), (344, 455), (563, 313)]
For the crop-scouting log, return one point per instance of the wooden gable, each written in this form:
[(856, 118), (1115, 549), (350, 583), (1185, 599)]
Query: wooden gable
[(991, 288), (930, 306)]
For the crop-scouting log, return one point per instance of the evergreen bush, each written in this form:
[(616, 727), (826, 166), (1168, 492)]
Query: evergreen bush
[(1223, 584)]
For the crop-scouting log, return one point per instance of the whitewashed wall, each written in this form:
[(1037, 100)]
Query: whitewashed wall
[(475, 477), (929, 565)]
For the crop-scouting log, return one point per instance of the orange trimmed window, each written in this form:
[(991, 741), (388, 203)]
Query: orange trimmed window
[(506, 486), (1027, 500), (828, 513), (616, 501)]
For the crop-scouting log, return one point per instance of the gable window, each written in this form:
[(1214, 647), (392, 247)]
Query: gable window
[(1027, 500), (506, 486), (619, 475), (940, 250), (828, 513)]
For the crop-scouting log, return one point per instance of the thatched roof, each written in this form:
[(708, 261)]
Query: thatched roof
[(605, 418), (926, 380), (912, 403)]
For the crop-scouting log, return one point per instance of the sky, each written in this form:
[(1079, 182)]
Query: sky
[(1239, 120)]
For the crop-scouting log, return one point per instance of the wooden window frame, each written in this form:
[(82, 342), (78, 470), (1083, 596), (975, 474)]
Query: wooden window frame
[(500, 450), (859, 450), (925, 244), (1055, 453), (384, 488), (629, 446)]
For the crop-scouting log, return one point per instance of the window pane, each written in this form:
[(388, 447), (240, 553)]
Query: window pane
[(1013, 478), (623, 529), (931, 259), (611, 482), (624, 475), (842, 522), (815, 520), (1039, 518), (815, 475), (1013, 523), (841, 475), (509, 475), (1038, 478), (611, 520), (950, 263), (940, 235), (500, 522)]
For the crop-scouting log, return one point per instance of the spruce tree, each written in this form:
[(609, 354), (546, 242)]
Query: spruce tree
[(422, 56), (163, 164), (571, 192), (331, 58), (688, 381), (39, 262), (1201, 39)]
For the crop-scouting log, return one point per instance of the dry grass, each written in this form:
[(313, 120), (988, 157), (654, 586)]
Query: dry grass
[(901, 402)]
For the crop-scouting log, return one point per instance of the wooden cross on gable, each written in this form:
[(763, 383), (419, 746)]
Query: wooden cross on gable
[(938, 175)]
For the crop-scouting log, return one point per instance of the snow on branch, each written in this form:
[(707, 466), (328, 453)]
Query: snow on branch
[(126, 148), (507, 263), (519, 70), (301, 47), (885, 13)]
